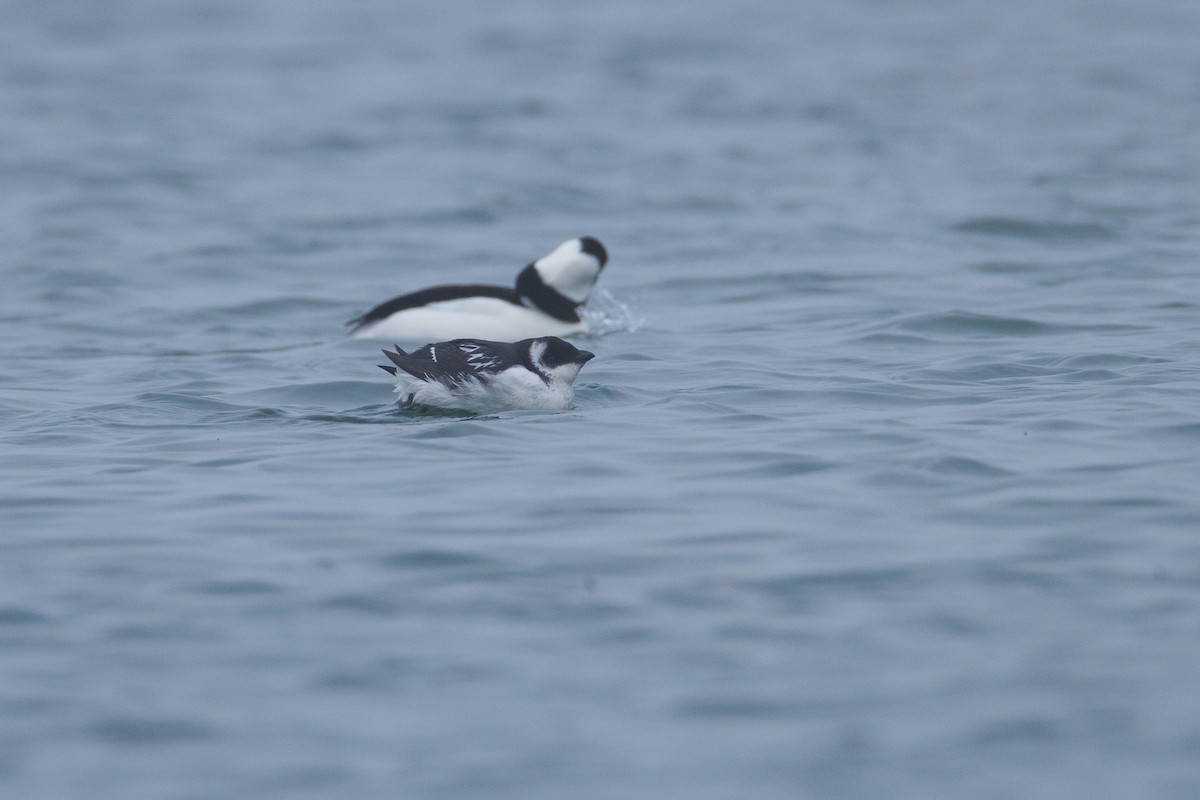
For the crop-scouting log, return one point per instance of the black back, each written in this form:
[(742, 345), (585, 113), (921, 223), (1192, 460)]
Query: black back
[(461, 359), (434, 294)]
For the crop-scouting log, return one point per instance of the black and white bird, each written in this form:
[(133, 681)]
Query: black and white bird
[(545, 301), (483, 377)]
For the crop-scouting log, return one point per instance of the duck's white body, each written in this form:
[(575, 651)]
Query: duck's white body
[(469, 318), (544, 302)]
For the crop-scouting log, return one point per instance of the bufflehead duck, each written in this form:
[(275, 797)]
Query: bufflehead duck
[(545, 301), (482, 377)]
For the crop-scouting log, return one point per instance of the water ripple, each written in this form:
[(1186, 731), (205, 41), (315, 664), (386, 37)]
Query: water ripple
[(1018, 228), (967, 323), (141, 732)]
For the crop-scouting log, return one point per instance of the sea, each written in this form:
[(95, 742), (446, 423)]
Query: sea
[(884, 482)]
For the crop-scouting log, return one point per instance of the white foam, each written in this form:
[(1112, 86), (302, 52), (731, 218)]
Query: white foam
[(605, 314)]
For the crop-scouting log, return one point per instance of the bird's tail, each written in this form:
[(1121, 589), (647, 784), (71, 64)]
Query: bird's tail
[(404, 361), (396, 358)]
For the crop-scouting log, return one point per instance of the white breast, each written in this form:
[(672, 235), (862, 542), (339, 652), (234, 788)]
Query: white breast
[(514, 388), (468, 318)]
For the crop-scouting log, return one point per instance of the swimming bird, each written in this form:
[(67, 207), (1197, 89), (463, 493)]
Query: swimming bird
[(545, 301), (483, 377)]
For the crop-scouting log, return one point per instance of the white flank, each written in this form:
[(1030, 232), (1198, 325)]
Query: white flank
[(469, 318), (514, 388)]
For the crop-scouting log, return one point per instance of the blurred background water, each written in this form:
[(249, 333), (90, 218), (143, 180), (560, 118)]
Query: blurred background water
[(883, 482)]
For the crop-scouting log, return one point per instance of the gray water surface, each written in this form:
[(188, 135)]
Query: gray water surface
[(883, 482)]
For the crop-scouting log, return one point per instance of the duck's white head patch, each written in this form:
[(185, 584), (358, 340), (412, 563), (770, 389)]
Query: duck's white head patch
[(571, 269)]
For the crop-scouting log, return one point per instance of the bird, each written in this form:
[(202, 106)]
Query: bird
[(481, 377), (544, 301)]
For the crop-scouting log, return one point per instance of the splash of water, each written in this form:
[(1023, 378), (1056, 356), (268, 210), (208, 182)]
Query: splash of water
[(606, 314)]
